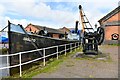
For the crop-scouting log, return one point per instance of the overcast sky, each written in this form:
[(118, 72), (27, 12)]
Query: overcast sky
[(52, 13)]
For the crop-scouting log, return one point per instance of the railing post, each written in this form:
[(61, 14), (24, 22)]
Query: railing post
[(43, 56), (70, 47), (78, 45), (20, 64), (75, 46), (7, 59), (57, 52), (65, 49)]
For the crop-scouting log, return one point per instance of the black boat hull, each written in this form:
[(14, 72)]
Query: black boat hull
[(21, 41)]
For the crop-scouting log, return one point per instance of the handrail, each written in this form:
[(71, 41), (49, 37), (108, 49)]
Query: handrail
[(45, 56)]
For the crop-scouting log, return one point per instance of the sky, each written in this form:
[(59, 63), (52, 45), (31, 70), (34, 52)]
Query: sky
[(53, 13)]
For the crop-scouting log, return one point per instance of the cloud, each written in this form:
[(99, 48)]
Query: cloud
[(39, 12), (95, 9), (24, 22), (2, 11)]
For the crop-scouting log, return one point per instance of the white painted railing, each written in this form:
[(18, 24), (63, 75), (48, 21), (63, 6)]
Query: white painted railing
[(77, 44)]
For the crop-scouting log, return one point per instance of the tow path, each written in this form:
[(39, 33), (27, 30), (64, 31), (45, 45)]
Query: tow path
[(85, 68)]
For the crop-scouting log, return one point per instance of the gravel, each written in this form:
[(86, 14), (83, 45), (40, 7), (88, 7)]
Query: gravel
[(86, 68)]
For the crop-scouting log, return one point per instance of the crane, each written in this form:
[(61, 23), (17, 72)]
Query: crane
[(89, 37)]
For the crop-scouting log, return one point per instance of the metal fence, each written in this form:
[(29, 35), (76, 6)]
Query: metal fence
[(77, 44)]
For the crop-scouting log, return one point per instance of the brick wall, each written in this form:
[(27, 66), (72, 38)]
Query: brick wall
[(109, 30), (115, 17), (56, 35), (64, 29), (33, 29)]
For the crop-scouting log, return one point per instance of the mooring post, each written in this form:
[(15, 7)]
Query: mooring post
[(20, 64), (57, 52), (65, 49), (43, 56)]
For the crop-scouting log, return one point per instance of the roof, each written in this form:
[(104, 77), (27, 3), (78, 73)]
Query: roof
[(109, 15), (64, 29), (71, 29), (50, 30)]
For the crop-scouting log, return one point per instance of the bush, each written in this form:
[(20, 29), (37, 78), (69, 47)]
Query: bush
[(4, 50)]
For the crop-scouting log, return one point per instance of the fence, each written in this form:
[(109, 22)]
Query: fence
[(77, 44)]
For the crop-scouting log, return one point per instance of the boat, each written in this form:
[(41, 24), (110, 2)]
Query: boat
[(20, 41)]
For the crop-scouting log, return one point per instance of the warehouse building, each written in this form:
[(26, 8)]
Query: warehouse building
[(111, 24)]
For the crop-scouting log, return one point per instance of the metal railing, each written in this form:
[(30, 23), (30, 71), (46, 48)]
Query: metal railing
[(77, 44)]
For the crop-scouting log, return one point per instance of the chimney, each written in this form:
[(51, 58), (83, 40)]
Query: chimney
[(76, 26)]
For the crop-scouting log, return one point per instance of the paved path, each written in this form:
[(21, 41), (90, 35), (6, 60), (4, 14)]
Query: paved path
[(77, 68)]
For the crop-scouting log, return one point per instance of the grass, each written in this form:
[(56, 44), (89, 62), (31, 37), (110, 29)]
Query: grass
[(48, 68), (114, 44), (51, 65), (29, 73), (3, 50)]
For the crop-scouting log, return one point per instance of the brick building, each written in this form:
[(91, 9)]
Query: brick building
[(111, 24), (36, 29), (65, 30)]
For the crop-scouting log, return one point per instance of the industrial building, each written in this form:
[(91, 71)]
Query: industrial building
[(111, 24)]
